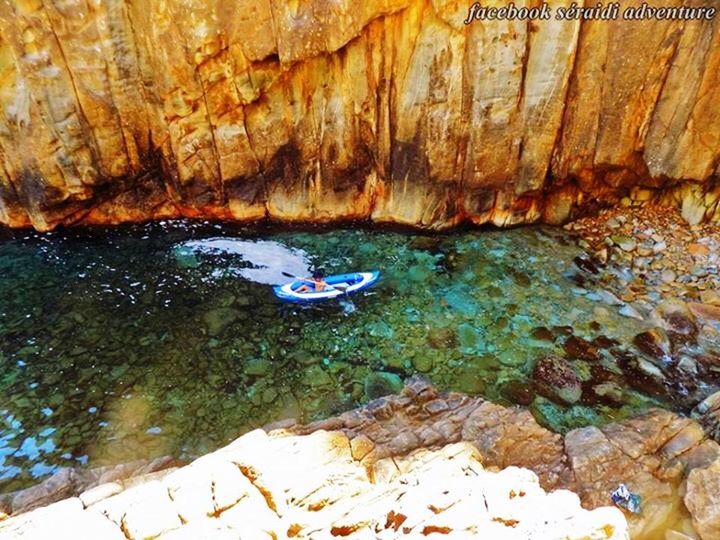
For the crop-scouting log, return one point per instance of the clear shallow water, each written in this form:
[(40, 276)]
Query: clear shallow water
[(118, 344)]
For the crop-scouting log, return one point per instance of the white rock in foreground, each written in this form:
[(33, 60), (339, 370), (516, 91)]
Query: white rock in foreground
[(282, 486)]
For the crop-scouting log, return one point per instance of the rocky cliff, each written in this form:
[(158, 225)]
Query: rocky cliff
[(314, 110)]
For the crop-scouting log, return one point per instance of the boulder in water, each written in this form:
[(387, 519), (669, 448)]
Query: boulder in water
[(579, 349), (675, 317), (655, 343), (381, 383), (217, 320), (555, 378)]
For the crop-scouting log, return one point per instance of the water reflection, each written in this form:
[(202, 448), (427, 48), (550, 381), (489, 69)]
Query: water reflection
[(259, 261)]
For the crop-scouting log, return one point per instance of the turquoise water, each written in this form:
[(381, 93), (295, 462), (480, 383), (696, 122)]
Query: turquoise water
[(118, 344)]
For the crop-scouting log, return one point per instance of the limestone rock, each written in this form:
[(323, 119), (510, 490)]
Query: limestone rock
[(64, 520), (390, 110), (439, 492), (703, 500), (422, 460), (98, 493), (145, 511), (446, 491)]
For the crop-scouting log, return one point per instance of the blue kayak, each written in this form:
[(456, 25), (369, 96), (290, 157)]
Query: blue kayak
[(339, 285)]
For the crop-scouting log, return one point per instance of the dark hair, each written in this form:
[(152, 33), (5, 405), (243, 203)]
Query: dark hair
[(319, 273)]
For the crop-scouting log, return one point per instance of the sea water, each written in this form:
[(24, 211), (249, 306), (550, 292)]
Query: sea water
[(134, 342)]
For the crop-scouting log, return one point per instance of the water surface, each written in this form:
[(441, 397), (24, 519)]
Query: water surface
[(118, 344)]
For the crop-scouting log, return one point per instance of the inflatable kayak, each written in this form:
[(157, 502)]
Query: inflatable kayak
[(338, 286)]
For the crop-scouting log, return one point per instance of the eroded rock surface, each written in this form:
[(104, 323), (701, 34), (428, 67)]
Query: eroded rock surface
[(392, 110), (415, 464), (652, 454), (707, 414), (282, 486), (70, 482)]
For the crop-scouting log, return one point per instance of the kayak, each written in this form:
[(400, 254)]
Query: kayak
[(338, 286)]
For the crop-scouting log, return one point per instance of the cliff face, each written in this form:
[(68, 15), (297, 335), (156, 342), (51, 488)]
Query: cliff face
[(394, 110)]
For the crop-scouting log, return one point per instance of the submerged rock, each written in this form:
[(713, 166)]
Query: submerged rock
[(380, 384), (316, 377), (541, 333), (422, 362), (555, 378), (675, 317), (578, 348), (472, 380), (655, 343), (217, 320), (469, 338), (630, 312), (442, 338), (519, 392), (257, 367)]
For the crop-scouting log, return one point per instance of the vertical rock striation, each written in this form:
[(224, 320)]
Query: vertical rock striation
[(317, 110)]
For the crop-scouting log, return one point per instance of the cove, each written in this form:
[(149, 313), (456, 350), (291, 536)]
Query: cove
[(145, 340)]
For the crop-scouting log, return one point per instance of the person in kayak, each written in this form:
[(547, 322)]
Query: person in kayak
[(316, 283)]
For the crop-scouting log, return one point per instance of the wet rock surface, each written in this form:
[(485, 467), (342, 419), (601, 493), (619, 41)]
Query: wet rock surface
[(670, 281), (555, 379), (72, 482)]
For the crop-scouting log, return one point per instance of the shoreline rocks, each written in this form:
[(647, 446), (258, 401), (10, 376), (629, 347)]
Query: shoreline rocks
[(670, 280), (280, 485), (72, 482), (672, 260), (652, 453), (665, 458)]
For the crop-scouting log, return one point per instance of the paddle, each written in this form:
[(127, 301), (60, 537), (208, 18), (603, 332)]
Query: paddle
[(339, 286)]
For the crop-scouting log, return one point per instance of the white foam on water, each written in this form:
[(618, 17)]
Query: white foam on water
[(269, 259)]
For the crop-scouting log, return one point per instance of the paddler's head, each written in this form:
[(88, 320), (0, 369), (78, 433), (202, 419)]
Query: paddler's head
[(319, 274)]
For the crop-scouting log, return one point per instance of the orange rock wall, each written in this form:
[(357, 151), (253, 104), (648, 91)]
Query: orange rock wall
[(320, 110)]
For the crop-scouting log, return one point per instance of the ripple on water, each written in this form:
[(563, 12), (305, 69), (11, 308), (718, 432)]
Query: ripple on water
[(135, 342)]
